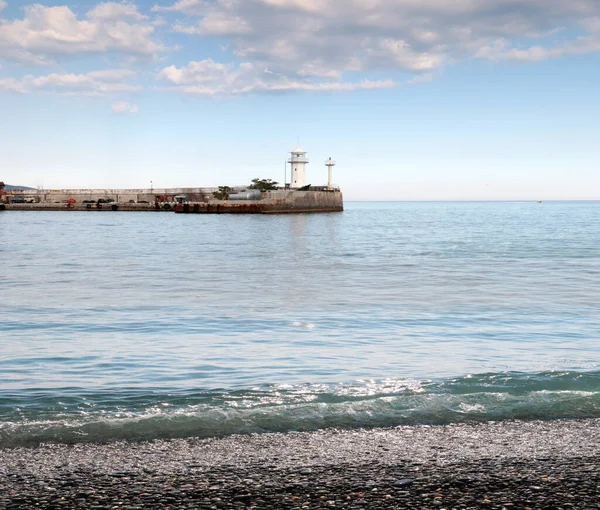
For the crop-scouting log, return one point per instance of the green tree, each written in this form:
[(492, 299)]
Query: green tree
[(263, 184), (222, 193)]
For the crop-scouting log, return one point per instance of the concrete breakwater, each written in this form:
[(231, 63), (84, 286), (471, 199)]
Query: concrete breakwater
[(181, 200), (271, 202), (120, 196), (106, 207)]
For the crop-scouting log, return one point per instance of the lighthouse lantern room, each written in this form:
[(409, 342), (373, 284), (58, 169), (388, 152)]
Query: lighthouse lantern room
[(298, 161)]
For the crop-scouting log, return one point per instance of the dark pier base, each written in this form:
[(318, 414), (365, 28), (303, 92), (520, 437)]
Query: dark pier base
[(272, 202), (249, 208)]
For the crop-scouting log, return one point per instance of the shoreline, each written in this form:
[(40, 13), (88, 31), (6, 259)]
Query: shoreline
[(514, 464)]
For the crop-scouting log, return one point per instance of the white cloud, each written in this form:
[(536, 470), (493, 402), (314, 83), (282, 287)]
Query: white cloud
[(96, 83), (11, 85), (116, 11), (46, 32), (3, 4), (209, 78), (216, 24), (404, 56), (159, 22), (123, 107), (112, 75), (288, 45), (309, 41), (196, 72), (192, 7), (421, 78), (502, 50)]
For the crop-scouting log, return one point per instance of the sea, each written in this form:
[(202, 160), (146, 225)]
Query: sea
[(138, 326)]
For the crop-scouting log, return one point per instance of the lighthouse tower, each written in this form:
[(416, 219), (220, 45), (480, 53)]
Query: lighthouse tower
[(298, 161), (330, 163)]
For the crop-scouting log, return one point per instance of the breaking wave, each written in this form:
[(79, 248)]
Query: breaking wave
[(71, 415)]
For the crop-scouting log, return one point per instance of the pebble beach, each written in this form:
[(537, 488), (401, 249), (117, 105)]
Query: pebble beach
[(510, 465)]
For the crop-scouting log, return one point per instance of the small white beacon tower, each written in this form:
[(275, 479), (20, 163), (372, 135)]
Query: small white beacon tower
[(330, 163), (298, 161)]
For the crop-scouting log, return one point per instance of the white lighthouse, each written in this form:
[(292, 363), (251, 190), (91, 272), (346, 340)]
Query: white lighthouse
[(298, 161), (330, 163)]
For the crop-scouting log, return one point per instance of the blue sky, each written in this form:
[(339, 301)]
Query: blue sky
[(415, 99)]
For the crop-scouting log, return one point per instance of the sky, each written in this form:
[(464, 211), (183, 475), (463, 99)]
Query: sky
[(414, 99)]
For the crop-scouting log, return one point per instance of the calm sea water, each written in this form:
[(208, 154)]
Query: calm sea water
[(142, 325)]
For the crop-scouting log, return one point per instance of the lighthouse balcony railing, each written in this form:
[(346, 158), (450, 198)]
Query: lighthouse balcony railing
[(298, 159)]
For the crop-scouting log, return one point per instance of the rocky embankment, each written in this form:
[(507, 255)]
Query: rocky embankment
[(506, 465)]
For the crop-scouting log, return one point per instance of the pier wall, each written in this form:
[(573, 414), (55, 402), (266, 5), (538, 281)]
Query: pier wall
[(271, 202), (300, 201), (81, 207), (58, 196), (200, 200)]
